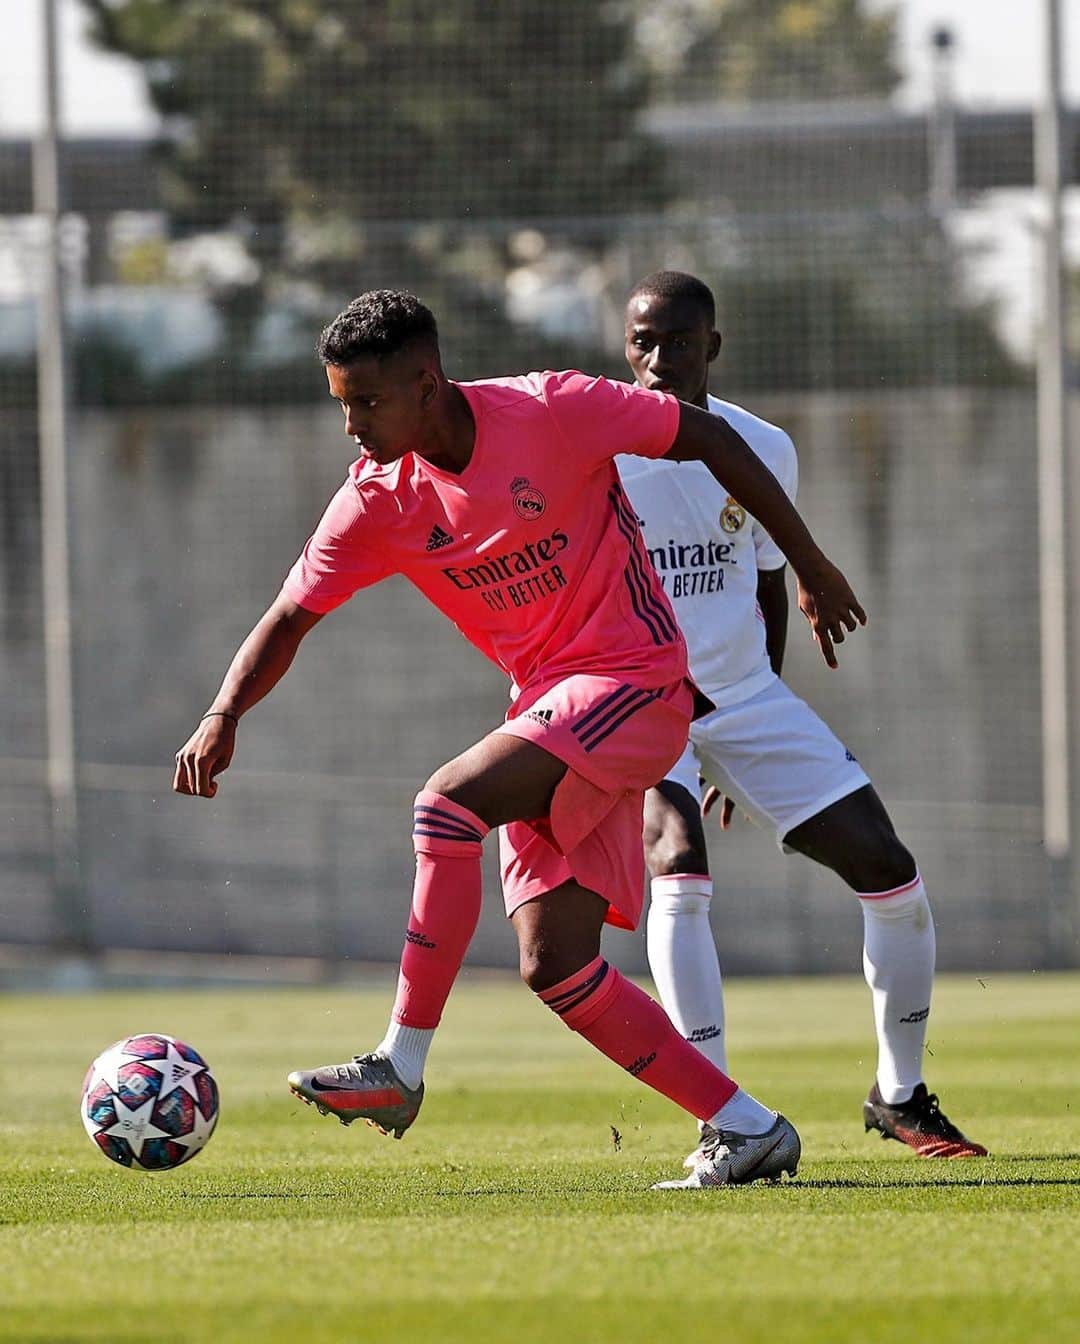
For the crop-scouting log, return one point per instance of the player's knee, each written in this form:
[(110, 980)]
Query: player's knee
[(669, 849), (673, 836), (456, 787), (536, 968), (883, 862), (671, 855), (542, 963), (652, 835), (443, 782), (531, 970)]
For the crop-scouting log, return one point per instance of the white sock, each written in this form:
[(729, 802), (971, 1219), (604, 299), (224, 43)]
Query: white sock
[(407, 1049), (744, 1114), (684, 964), (898, 961)]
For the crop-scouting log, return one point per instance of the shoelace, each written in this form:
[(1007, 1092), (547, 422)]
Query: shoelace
[(354, 1068), (713, 1141), (931, 1110)]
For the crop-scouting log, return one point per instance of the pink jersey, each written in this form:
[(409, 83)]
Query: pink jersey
[(533, 550)]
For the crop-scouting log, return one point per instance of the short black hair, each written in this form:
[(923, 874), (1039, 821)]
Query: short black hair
[(380, 323), (677, 285)]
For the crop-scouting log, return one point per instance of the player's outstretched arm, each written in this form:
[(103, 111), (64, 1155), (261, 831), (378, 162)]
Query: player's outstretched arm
[(825, 597), (260, 663)]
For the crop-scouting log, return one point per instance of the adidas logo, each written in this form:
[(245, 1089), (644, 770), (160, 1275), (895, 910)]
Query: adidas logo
[(438, 539), (542, 716)]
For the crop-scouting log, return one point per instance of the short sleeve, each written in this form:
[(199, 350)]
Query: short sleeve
[(784, 465), (599, 417), (337, 562)]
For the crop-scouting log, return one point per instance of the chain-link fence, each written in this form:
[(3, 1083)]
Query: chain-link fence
[(520, 185)]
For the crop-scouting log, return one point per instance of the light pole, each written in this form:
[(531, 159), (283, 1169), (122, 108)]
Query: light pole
[(52, 461), (1058, 493), (941, 125)]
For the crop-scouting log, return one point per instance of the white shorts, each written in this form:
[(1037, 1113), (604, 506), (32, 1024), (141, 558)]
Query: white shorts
[(780, 762)]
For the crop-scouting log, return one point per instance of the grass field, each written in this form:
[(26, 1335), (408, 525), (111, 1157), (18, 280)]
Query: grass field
[(509, 1211)]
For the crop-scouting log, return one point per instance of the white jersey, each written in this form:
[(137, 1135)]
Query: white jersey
[(708, 551)]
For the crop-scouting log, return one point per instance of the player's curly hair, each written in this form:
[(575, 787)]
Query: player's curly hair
[(381, 323), (677, 285)]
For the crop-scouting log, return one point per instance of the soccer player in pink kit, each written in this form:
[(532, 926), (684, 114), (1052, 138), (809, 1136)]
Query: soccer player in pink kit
[(499, 500)]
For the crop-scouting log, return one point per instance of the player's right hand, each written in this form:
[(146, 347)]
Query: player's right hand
[(203, 756)]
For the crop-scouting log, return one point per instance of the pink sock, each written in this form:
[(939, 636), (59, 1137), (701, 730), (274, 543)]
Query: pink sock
[(634, 1031), (448, 840)]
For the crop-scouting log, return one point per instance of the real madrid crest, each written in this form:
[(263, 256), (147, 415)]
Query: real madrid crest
[(732, 515), (528, 501)]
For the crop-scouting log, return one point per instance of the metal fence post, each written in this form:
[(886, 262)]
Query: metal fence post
[(55, 543)]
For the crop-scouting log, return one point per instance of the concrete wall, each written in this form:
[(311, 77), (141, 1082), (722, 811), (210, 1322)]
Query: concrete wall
[(184, 524)]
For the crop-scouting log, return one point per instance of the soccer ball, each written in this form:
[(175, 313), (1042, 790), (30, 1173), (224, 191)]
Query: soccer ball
[(149, 1102)]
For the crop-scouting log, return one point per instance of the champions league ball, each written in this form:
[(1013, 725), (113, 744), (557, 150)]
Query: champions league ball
[(149, 1102)]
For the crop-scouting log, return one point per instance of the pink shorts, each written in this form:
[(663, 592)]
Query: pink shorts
[(618, 741)]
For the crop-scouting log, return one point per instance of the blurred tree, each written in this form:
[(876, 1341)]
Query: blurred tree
[(390, 109), (353, 143), (878, 312), (769, 49), (381, 143), (817, 303), (802, 49)]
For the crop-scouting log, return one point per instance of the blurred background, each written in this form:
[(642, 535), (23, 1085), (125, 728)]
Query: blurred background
[(859, 182)]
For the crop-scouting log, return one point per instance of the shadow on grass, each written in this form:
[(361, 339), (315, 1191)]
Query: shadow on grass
[(936, 1178), (1038, 1157), (199, 1195), (930, 1183), (997, 1173), (257, 1194)]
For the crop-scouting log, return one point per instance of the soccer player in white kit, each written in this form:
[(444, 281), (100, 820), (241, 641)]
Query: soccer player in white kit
[(762, 749)]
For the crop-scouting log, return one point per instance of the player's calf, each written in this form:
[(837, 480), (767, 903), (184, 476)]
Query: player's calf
[(745, 1141), (385, 1087)]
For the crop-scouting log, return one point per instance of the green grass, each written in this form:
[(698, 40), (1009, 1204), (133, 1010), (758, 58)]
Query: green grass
[(508, 1213)]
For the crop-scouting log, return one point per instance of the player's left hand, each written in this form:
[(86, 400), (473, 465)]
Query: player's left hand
[(827, 602), (727, 808)]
